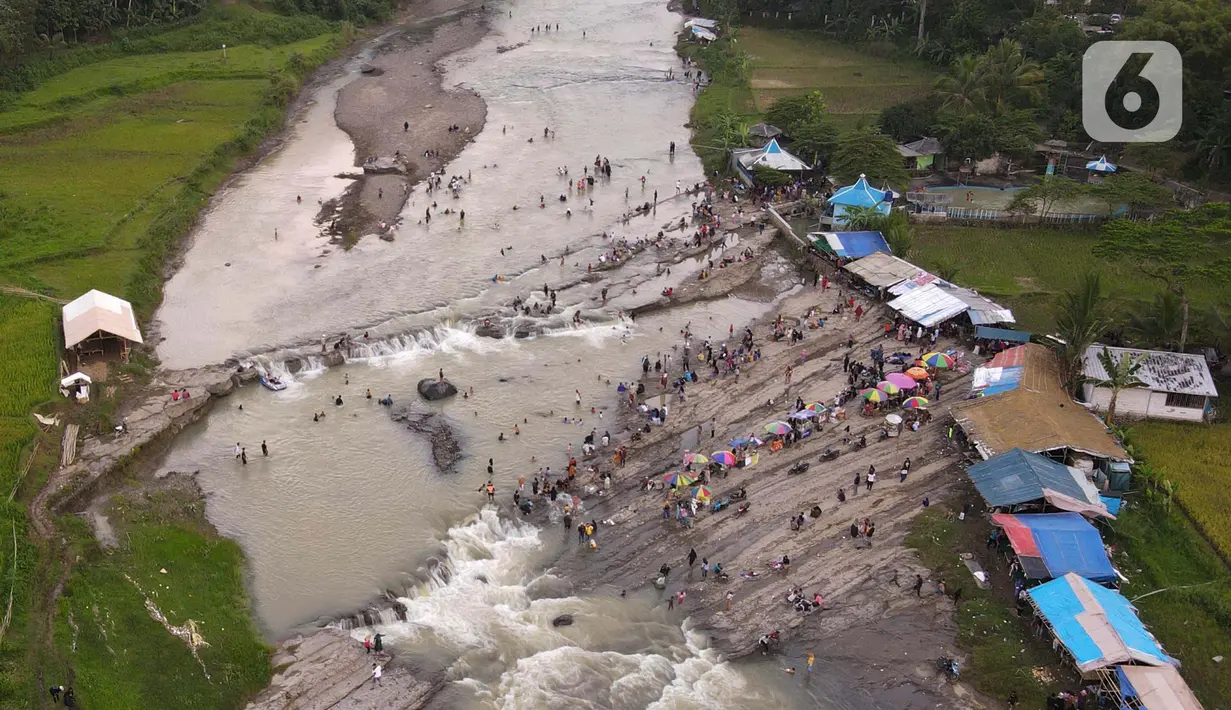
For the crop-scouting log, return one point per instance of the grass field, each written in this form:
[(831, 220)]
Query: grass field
[(1027, 268), (1001, 652), (1159, 550), (121, 656), (856, 85), (1194, 457), (107, 162)]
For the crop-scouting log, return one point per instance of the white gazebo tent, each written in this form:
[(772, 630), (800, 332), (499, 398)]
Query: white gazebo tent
[(99, 325), (771, 155)]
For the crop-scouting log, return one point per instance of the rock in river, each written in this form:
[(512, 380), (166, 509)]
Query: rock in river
[(432, 390), (563, 620)]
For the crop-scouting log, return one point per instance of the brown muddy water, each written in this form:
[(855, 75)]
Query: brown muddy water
[(350, 506)]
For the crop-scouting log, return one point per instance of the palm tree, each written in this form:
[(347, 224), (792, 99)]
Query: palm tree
[(961, 90), (1008, 78), (1079, 322), (1121, 374), (1160, 323), (862, 218)]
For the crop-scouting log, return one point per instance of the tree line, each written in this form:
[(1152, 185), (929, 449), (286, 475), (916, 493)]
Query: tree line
[(1013, 67), (31, 27)]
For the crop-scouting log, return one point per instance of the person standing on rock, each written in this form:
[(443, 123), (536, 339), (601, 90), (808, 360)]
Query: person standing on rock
[(871, 479), (729, 596)]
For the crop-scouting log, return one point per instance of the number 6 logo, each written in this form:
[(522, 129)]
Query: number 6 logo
[(1132, 92)]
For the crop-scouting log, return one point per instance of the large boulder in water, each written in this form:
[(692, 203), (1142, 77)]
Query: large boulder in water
[(433, 390), (563, 620)]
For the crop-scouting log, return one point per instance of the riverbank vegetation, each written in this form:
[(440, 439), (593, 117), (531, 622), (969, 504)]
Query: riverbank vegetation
[(113, 137), (164, 558), (1002, 655)]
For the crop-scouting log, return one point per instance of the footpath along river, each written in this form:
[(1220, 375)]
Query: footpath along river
[(352, 505)]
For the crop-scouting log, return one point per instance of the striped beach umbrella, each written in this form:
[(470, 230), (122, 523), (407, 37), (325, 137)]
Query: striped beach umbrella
[(702, 494), (679, 479), (917, 373), (723, 458), (779, 428), (874, 395), (915, 403), (888, 387), (940, 361), (694, 457), (817, 407)]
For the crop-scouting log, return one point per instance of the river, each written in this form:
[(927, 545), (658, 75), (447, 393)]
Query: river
[(350, 506)]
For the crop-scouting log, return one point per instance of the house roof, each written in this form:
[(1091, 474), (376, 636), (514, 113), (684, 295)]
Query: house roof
[(983, 311), (1097, 626), (770, 155), (881, 269), (1053, 544), (1018, 476), (929, 305), (764, 130), (861, 194), (850, 245), (1179, 373), (95, 311), (924, 146), (1012, 336), (1036, 415), (1156, 688)]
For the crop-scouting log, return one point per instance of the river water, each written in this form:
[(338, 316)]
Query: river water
[(350, 506)]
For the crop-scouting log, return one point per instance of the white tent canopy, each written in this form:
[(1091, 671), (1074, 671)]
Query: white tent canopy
[(97, 311), (771, 156)]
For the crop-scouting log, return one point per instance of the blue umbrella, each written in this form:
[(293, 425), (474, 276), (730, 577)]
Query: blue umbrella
[(744, 441)]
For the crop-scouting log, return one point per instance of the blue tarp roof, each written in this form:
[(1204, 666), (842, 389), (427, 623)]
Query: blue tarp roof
[(1097, 626), (1053, 544), (1019, 476), (1013, 336), (861, 194), (851, 245), (1113, 504)]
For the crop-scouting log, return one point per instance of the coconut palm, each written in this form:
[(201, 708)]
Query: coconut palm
[(1079, 323), (961, 90), (1160, 323), (1008, 78), (1121, 374)]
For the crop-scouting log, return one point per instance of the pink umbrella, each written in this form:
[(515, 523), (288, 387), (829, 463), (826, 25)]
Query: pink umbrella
[(902, 380)]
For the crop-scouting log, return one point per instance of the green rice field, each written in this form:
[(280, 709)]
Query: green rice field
[(856, 85)]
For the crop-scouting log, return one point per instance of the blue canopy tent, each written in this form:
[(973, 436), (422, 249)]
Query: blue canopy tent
[(1101, 165), (1097, 626), (1053, 544), (1019, 476), (861, 194), (849, 245)]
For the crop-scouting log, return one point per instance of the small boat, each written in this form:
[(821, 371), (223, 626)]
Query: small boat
[(272, 383)]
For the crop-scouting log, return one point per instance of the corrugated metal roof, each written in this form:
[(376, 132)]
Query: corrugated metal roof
[(95, 311), (929, 305), (923, 278), (1180, 373), (881, 269), (981, 316)]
